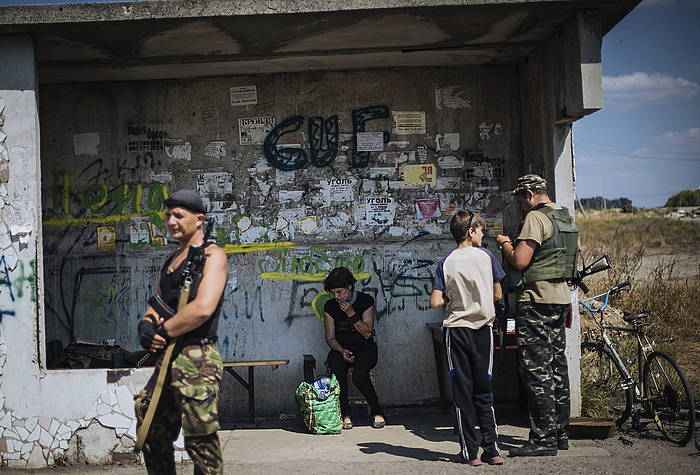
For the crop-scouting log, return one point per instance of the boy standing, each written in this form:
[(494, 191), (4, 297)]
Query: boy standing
[(467, 282)]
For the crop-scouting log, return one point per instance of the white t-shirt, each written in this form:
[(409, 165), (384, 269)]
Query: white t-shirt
[(468, 279)]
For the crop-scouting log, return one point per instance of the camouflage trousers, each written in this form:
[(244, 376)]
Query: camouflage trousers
[(188, 401), (543, 369)]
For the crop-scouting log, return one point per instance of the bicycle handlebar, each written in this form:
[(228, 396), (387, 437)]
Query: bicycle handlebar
[(619, 288), (613, 290)]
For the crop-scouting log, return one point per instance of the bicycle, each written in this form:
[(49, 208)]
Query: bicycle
[(662, 390)]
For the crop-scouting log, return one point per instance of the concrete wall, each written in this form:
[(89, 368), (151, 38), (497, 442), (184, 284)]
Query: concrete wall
[(195, 143), (112, 152)]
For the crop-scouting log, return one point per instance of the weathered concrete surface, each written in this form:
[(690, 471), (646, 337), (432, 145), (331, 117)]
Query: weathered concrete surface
[(175, 39), (124, 11), (419, 443)]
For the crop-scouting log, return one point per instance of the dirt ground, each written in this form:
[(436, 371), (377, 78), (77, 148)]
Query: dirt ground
[(422, 441), (685, 264)]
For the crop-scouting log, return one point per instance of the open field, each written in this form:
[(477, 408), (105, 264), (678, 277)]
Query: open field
[(661, 258)]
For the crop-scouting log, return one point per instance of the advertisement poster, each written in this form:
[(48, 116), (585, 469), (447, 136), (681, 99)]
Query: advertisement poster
[(210, 117), (418, 175), (215, 182), (493, 228), (370, 141), (215, 149), (157, 239), (308, 224), (178, 149), (106, 239), (380, 209), (428, 208), (244, 95), (451, 97), (409, 122), (253, 130), (450, 162), (139, 230), (339, 190)]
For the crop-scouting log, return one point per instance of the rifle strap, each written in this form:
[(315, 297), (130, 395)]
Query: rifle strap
[(160, 381)]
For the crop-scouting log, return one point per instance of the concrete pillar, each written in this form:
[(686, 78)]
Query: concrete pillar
[(565, 193), (21, 316), (583, 76)]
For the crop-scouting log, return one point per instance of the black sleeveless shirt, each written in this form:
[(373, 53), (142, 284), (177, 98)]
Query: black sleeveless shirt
[(345, 331), (170, 292)]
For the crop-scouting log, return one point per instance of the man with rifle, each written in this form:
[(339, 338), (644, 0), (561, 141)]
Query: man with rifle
[(542, 265), (183, 319)]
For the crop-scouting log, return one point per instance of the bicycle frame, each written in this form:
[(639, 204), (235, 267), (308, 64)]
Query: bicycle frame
[(661, 388), (644, 346)]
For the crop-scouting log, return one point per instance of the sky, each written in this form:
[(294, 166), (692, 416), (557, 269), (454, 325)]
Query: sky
[(645, 143)]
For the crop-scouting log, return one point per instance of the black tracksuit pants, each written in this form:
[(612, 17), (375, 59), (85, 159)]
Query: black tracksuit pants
[(470, 361), (365, 360)]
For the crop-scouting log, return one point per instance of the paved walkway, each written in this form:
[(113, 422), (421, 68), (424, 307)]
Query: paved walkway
[(422, 442)]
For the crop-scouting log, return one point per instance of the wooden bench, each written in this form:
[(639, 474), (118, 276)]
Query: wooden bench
[(250, 384)]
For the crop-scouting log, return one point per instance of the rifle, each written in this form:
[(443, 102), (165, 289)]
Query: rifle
[(599, 265), (192, 274)]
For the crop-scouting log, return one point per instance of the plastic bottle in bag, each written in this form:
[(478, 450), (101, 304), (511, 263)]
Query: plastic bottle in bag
[(322, 385)]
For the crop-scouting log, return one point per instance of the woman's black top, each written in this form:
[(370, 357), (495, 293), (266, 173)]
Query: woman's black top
[(345, 331), (170, 284)]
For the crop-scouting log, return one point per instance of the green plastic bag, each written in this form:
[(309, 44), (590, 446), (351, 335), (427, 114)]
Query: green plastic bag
[(321, 414)]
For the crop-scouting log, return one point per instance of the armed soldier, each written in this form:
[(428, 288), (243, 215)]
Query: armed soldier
[(192, 281), (545, 254)]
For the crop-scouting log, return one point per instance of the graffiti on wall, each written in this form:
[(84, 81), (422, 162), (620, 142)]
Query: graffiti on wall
[(323, 143), (389, 279), (323, 138)]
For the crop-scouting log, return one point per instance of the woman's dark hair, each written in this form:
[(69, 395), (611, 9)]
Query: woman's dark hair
[(339, 277)]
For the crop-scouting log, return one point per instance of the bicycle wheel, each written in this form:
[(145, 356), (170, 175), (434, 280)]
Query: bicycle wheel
[(669, 397), (603, 394)]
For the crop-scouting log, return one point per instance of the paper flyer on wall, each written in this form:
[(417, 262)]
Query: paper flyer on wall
[(106, 239), (215, 182), (139, 231), (380, 209), (253, 130), (419, 175), (244, 95), (409, 122), (370, 141), (308, 224), (215, 149), (427, 208), (339, 190)]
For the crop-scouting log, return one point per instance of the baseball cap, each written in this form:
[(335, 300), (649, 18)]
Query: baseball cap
[(187, 199), (530, 182)]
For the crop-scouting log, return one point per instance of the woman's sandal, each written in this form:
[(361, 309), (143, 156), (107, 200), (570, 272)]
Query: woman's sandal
[(347, 425), (378, 424)]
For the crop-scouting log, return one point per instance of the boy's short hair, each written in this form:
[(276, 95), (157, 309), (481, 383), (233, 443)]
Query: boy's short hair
[(337, 278), (461, 222)]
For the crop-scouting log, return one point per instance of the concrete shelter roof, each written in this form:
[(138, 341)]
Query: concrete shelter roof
[(187, 38)]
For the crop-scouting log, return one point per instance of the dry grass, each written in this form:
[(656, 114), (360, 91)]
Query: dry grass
[(626, 239)]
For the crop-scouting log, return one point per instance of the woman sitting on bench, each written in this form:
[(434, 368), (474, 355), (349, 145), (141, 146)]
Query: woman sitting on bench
[(349, 325)]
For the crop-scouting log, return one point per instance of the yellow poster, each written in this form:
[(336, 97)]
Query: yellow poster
[(106, 239), (418, 175)]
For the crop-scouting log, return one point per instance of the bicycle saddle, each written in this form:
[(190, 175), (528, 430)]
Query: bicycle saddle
[(630, 317)]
